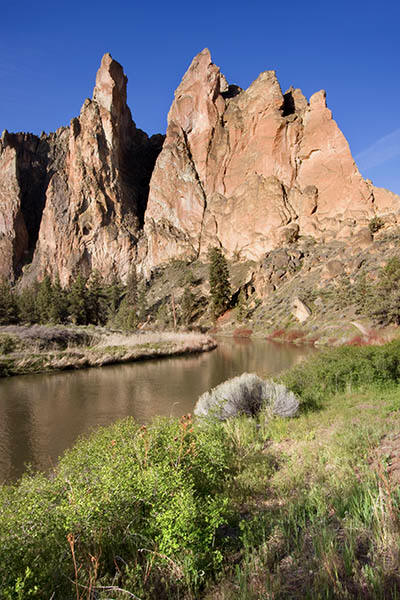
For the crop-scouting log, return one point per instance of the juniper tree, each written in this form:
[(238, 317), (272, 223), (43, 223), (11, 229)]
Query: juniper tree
[(77, 300), (26, 304), (220, 290), (187, 306), (8, 308), (96, 299), (44, 300), (59, 307), (114, 293)]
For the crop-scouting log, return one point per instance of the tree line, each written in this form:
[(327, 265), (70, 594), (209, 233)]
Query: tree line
[(86, 301), (93, 300)]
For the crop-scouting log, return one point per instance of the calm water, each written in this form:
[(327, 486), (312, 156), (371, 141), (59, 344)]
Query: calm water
[(42, 415)]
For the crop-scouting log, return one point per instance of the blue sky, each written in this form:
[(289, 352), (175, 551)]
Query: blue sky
[(50, 52)]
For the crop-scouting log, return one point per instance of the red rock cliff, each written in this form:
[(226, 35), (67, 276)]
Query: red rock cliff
[(250, 169)]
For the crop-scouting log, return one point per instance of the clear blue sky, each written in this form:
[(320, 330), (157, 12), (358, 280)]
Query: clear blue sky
[(50, 52)]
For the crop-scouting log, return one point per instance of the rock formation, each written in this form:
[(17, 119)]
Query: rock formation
[(90, 189), (250, 170)]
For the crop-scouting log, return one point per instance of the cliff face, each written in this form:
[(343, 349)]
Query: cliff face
[(250, 170), (75, 200)]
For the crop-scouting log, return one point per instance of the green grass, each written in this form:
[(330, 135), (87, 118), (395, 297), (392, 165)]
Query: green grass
[(248, 509)]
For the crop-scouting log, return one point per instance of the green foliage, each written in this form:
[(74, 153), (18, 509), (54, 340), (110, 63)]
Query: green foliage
[(78, 301), (142, 303), (8, 308), (96, 300), (26, 304), (44, 300), (188, 304), (219, 282), (348, 367), (145, 498), (375, 224), (114, 294), (59, 308), (126, 316), (242, 311), (7, 344), (385, 306)]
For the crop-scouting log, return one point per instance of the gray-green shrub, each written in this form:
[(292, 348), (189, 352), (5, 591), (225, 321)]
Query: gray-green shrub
[(246, 394)]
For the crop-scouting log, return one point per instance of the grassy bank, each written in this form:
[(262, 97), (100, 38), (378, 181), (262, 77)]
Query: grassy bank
[(41, 348), (246, 509)]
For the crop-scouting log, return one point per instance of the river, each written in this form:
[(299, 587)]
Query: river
[(42, 415)]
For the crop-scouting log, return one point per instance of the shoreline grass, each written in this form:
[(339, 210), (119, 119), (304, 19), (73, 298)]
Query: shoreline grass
[(42, 349), (249, 509)]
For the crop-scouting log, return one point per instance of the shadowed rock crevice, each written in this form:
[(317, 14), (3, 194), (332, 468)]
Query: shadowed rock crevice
[(288, 106)]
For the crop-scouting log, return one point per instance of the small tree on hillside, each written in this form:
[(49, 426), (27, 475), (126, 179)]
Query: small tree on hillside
[(385, 307), (126, 317), (8, 309), (220, 289), (44, 300), (59, 307), (78, 301)]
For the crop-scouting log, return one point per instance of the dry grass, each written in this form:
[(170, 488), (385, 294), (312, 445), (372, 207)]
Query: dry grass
[(155, 337), (113, 348)]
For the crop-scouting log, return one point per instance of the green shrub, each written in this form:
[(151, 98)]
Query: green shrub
[(335, 370), (375, 224), (7, 344), (131, 505)]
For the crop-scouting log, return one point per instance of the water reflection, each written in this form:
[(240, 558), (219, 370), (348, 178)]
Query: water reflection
[(42, 415)]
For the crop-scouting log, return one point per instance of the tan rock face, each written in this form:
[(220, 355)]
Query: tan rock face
[(13, 234), (23, 159), (96, 197), (249, 169)]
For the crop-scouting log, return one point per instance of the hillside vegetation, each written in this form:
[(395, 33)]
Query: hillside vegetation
[(251, 508)]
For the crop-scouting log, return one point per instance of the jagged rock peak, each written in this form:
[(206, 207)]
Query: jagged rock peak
[(248, 169), (111, 81)]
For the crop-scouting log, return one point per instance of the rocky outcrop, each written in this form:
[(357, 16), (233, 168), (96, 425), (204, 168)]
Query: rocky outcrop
[(95, 202), (248, 170), (251, 169), (74, 201)]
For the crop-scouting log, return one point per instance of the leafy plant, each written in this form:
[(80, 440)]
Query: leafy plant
[(219, 282), (375, 224)]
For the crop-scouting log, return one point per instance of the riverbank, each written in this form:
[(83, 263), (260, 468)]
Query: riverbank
[(251, 508), (40, 349)]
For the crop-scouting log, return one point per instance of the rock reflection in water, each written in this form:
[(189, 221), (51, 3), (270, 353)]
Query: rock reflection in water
[(42, 415)]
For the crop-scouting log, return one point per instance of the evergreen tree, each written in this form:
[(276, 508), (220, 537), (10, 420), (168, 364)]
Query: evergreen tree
[(141, 303), (114, 294), (96, 298), (26, 304), (241, 309), (126, 317), (44, 300), (8, 307), (219, 282), (187, 306), (385, 307), (59, 307), (132, 288), (77, 301)]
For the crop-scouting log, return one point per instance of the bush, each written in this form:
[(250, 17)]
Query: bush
[(131, 506), (333, 371), (375, 224), (385, 305), (220, 289), (7, 344), (246, 394)]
